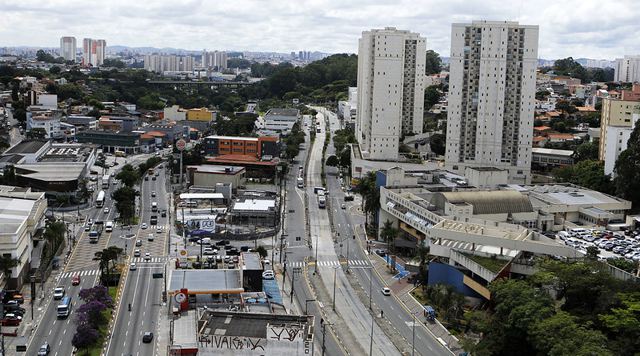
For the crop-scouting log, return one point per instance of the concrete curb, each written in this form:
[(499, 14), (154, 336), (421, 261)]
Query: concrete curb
[(116, 306)]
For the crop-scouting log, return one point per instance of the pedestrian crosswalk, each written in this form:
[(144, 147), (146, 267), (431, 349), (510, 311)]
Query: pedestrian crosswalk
[(150, 260), (330, 263), (92, 272), (156, 227)]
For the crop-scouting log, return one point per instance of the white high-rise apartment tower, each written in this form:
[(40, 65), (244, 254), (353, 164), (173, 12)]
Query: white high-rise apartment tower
[(68, 48), (391, 72), (93, 52), (627, 69), (492, 84)]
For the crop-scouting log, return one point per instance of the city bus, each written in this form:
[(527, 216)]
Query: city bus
[(64, 308), (100, 199), (105, 181)]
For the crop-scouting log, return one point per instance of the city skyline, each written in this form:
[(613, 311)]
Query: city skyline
[(322, 26)]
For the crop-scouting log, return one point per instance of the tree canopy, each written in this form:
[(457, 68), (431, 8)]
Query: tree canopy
[(433, 62)]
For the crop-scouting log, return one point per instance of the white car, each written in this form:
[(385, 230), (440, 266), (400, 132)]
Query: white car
[(209, 251), (147, 256), (133, 267), (268, 275), (150, 237), (153, 194), (143, 226), (386, 291), (58, 293), (158, 230), (106, 210)]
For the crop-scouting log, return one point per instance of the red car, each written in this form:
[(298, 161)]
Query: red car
[(75, 280)]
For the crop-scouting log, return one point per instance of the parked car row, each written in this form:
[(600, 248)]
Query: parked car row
[(623, 244)]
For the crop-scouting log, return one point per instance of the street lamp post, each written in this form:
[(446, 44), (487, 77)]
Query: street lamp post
[(413, 337), (316, 265), (335, 270)]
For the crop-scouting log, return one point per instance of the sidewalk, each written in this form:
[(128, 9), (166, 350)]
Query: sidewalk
[(402, 291)]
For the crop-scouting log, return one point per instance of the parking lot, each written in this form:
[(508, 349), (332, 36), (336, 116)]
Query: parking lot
[(619, 244)]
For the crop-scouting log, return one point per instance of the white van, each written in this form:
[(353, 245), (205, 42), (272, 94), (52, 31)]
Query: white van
[(205, 241)]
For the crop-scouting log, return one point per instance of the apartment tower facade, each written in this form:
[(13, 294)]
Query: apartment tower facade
[(391, 77), (492, 97), (68, 48), (93, 52)]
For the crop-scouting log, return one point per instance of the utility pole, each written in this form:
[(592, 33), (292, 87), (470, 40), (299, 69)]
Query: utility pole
[(335, 270)]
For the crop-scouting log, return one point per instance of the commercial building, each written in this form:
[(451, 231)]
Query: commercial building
[(391, 72), (175, 113), (200, 114), (491, 97), (118, 123), (547, 158), (281, 120), (93, 52), (21, 215), (68, 48), (128, 142), (209, 176), (618, 113), (627, 69), (254, 211), (481, 234), (216, 60), (168, 63), (46, 120), (257, 147), (616, 139)]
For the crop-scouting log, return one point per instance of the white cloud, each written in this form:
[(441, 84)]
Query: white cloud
[(586, 28)]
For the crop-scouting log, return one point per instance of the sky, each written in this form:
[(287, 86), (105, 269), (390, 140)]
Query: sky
[(585, 28)]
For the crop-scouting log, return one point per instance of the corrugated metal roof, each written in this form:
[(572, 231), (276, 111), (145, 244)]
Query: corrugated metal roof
[(491, 202)]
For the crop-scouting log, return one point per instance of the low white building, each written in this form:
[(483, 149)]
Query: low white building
[(45, 119), (616, 138), (281, 120), (175, 113), (21, 214)]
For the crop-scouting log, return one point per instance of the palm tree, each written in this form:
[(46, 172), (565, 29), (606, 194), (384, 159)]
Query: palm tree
[(107, 258), (422, 253), (388, 234), (370, 195)]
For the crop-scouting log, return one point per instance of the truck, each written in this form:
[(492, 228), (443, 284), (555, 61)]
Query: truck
[(100, 199), (429, 313), (322, 202), (64, 308), (96, 231), (108, 227), (153, 220), (300, 182), (105, 181)]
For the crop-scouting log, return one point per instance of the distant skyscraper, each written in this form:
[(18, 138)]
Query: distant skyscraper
[(68, 48), (168, 63), (391, 75), (215, 59), (627, 69), (492, 97), (93, 52)]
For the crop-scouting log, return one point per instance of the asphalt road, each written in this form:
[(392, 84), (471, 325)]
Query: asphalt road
[(59, 332), (346, 222), (140, 289)]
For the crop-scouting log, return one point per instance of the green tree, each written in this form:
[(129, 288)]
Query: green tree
[(55, 70), (431, 96), (388, 233), (586, 151), (433, 63), (332, 161), (627, 181), (542, 94), (113, 62), (262, 251), (125, 199), (588, 174), (561, 334), (129, 176), (7, 262), (622, 324), (370, 195), (437, 143), (107, 258), (622, 263)]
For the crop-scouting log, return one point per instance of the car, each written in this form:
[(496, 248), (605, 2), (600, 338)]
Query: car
[(222, 242), (386, 291), (244, 248), (268, 275), (133, 267), (138, 243), (150, 237), (164, 214), (209, 251), (18, 298), (89, 221), (143, 226), (147, 337), (158, 230), (153, 194), (58, 293), (44, 349), (106, 210), (147, 256), (136, 253), (75, 280), (87, 228), (153, 178), (380, 252), (146, 178), (343, 206)]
